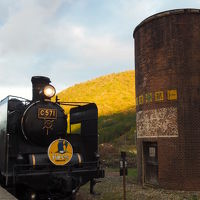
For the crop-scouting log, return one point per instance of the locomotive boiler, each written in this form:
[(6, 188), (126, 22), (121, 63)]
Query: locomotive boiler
[(45, 152)]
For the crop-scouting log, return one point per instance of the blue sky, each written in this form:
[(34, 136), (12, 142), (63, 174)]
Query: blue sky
[(70, 41)]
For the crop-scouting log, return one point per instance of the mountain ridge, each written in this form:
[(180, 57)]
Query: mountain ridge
[(106, 91)]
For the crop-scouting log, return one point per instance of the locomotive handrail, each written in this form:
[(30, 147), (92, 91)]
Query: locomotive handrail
[(56, 166), (8, 97), (74, 103), (30, 169), (19, 97), (52, 167)]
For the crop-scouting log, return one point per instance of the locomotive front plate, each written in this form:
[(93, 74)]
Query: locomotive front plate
[(60, 152), (46, 113)]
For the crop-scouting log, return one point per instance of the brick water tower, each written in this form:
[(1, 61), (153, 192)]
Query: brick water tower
[(167, 65)]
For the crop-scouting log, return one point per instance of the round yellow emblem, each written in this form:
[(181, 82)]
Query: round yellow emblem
[(60, 152)]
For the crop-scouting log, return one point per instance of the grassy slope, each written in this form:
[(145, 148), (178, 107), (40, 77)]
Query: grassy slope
[(114, 95)]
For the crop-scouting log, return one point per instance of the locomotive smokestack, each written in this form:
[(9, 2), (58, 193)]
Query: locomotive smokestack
[(38, 83)]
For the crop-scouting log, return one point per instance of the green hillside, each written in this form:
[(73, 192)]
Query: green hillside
[(114, 95)]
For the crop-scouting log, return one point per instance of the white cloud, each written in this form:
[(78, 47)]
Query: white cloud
[(25, 32), (24, 37), (88, 47), (24, 92), (53, 38), (134, 9)]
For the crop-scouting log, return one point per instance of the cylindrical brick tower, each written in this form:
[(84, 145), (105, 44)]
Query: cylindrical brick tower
[(167, 65)]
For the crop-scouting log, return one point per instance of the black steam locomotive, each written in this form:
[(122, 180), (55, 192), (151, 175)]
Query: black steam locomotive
[(45, 153)]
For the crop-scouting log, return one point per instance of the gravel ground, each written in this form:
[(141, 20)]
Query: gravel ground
[(111, 188)]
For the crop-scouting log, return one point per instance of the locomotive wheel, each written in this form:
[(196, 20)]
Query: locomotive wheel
[(25, 193), (71, 197)]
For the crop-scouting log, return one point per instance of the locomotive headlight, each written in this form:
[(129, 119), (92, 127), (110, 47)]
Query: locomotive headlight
[(49, 91)]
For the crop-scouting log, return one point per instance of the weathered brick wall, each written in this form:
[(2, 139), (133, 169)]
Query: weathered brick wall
[(167, 62)]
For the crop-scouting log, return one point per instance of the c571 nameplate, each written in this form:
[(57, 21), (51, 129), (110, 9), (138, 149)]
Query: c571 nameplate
[(46, 113)]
